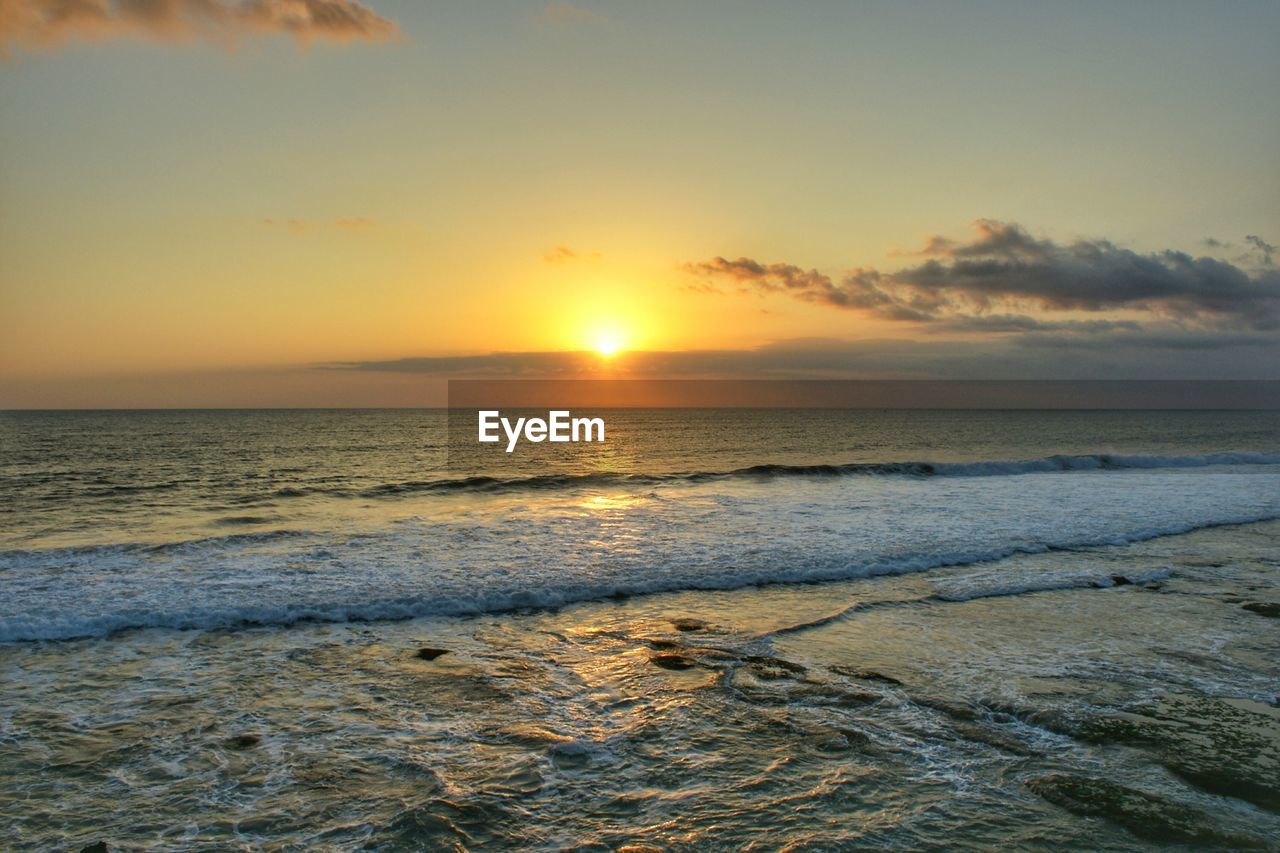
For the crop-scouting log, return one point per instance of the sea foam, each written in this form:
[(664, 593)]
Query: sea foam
[(560, 547)]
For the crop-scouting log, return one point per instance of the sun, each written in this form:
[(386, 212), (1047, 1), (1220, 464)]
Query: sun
[(607, 344)]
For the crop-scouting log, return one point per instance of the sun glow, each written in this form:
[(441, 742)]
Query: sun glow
[(607, 344)]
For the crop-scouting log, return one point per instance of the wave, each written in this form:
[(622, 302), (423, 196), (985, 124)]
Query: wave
[(766, 471), (77, 555), (964, 592), (1079, 580), (237, 520), (991, 468), (473, 600)]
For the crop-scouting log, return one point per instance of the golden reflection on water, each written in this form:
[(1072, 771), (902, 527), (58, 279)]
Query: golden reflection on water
[(610, 503), (617, 533)]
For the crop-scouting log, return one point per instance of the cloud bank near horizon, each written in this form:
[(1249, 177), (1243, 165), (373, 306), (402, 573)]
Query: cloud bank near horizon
[(421, 381), (48, 24), (1006, 280), (1123, 354)]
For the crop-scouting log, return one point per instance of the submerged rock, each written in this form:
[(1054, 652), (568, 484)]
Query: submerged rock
[(955, 710), (992, 737), (1264, 608), (670, 660), (687, 625), (428, 653), (1229, 747), (773, 669), (768, 660), (571, 754), (446, 824), (834, 742), (1145, 815), (95, 847), (242, 741), (1118, 727), (775, 687), (864, 674)]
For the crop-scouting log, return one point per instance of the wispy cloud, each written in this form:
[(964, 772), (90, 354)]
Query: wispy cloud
[(355, 223), (562, 12), (1262, 247), (565, 255), (992, 281), (299, 227), (47, 24)]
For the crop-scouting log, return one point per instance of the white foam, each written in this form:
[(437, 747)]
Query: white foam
[(553, 549), (992, 584)]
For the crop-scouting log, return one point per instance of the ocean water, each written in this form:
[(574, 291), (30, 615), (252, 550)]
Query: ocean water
[(807, 629)]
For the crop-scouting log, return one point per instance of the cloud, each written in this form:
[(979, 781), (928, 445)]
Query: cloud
[(1004, 272), (299, 227), (47, 24), (562, 12), (997, 323), (1118, 353), (1237, 359), (1137, 338), (503, 364), (565, 255), (1265, 249), (355, 223), (1247, 375)]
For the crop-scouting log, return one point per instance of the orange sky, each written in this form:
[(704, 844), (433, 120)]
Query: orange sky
[(190, 193)]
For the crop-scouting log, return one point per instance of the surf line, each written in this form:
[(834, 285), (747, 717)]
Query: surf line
[(559, 426)]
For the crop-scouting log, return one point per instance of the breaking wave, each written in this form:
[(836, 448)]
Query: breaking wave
[(994, 468), (473, 597), (830, 523)]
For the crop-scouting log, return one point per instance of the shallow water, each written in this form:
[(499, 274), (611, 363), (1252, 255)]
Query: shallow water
[(910, 718), (1073, 652)]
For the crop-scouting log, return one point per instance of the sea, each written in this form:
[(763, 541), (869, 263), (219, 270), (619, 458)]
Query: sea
[(718, 629)]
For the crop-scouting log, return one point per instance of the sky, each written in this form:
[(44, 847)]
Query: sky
[(330, 202)]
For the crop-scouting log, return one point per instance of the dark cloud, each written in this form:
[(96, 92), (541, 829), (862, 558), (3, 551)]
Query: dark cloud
[(1003, 272), (996, 323), (1119, 352), (1137, 338), (44, 24), (1265, 249), (421, 381)]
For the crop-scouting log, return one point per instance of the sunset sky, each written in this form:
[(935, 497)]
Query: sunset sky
[(322, 202)]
